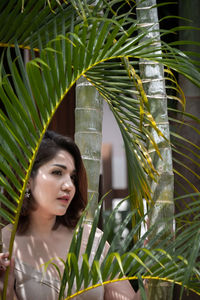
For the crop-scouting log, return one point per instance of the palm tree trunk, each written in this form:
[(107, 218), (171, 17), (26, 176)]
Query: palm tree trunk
[(152, 75), (88, 135)]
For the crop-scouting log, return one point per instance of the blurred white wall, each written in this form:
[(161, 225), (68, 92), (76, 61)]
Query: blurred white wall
[(111, 135)]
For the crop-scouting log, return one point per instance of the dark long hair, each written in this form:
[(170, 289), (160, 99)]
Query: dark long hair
[(50, 145)]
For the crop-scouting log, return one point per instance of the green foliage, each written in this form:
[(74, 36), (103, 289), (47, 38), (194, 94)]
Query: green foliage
[(67, 41), (130, 261)]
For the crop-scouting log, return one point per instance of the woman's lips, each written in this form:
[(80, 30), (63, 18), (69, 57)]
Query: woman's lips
[(64, 199)]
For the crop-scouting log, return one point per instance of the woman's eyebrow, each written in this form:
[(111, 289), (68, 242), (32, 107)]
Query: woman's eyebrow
[(61, 166)]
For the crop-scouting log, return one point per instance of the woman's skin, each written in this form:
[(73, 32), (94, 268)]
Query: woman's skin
[(53, 189), (4, 263)]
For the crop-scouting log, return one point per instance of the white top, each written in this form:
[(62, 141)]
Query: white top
[(31, 284)]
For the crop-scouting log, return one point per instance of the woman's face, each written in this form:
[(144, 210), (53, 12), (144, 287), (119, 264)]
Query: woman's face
[(53, 185)]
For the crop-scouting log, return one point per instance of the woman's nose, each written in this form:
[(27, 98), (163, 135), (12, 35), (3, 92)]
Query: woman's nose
[(67, 183)]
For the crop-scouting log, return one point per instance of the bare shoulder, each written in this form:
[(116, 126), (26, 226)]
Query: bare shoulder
[(6, 233), (88, 228), (98, 236)]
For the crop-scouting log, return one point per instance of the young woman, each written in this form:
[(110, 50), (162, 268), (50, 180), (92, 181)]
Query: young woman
[(54, 201)]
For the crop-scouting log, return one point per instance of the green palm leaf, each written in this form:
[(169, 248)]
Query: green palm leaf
[(153, 263), (69, 48)]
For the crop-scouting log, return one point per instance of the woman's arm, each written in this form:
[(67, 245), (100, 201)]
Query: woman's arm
[(4, 263), (121, 290)]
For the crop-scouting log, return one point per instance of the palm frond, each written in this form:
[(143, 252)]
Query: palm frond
[(160, 263), (73, 41)]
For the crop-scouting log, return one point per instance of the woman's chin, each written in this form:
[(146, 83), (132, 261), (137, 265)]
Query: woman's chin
[(61, 210)]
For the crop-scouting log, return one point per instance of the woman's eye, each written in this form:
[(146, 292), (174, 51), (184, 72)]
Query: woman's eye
[(57, 172)]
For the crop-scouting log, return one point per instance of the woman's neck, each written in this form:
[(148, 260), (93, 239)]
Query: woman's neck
[(41, 226)]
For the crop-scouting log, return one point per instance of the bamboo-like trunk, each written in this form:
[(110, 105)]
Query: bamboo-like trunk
[(88, 135), (152, 75)]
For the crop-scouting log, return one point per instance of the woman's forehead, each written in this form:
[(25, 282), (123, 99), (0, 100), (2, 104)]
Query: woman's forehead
[(62, 157)]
